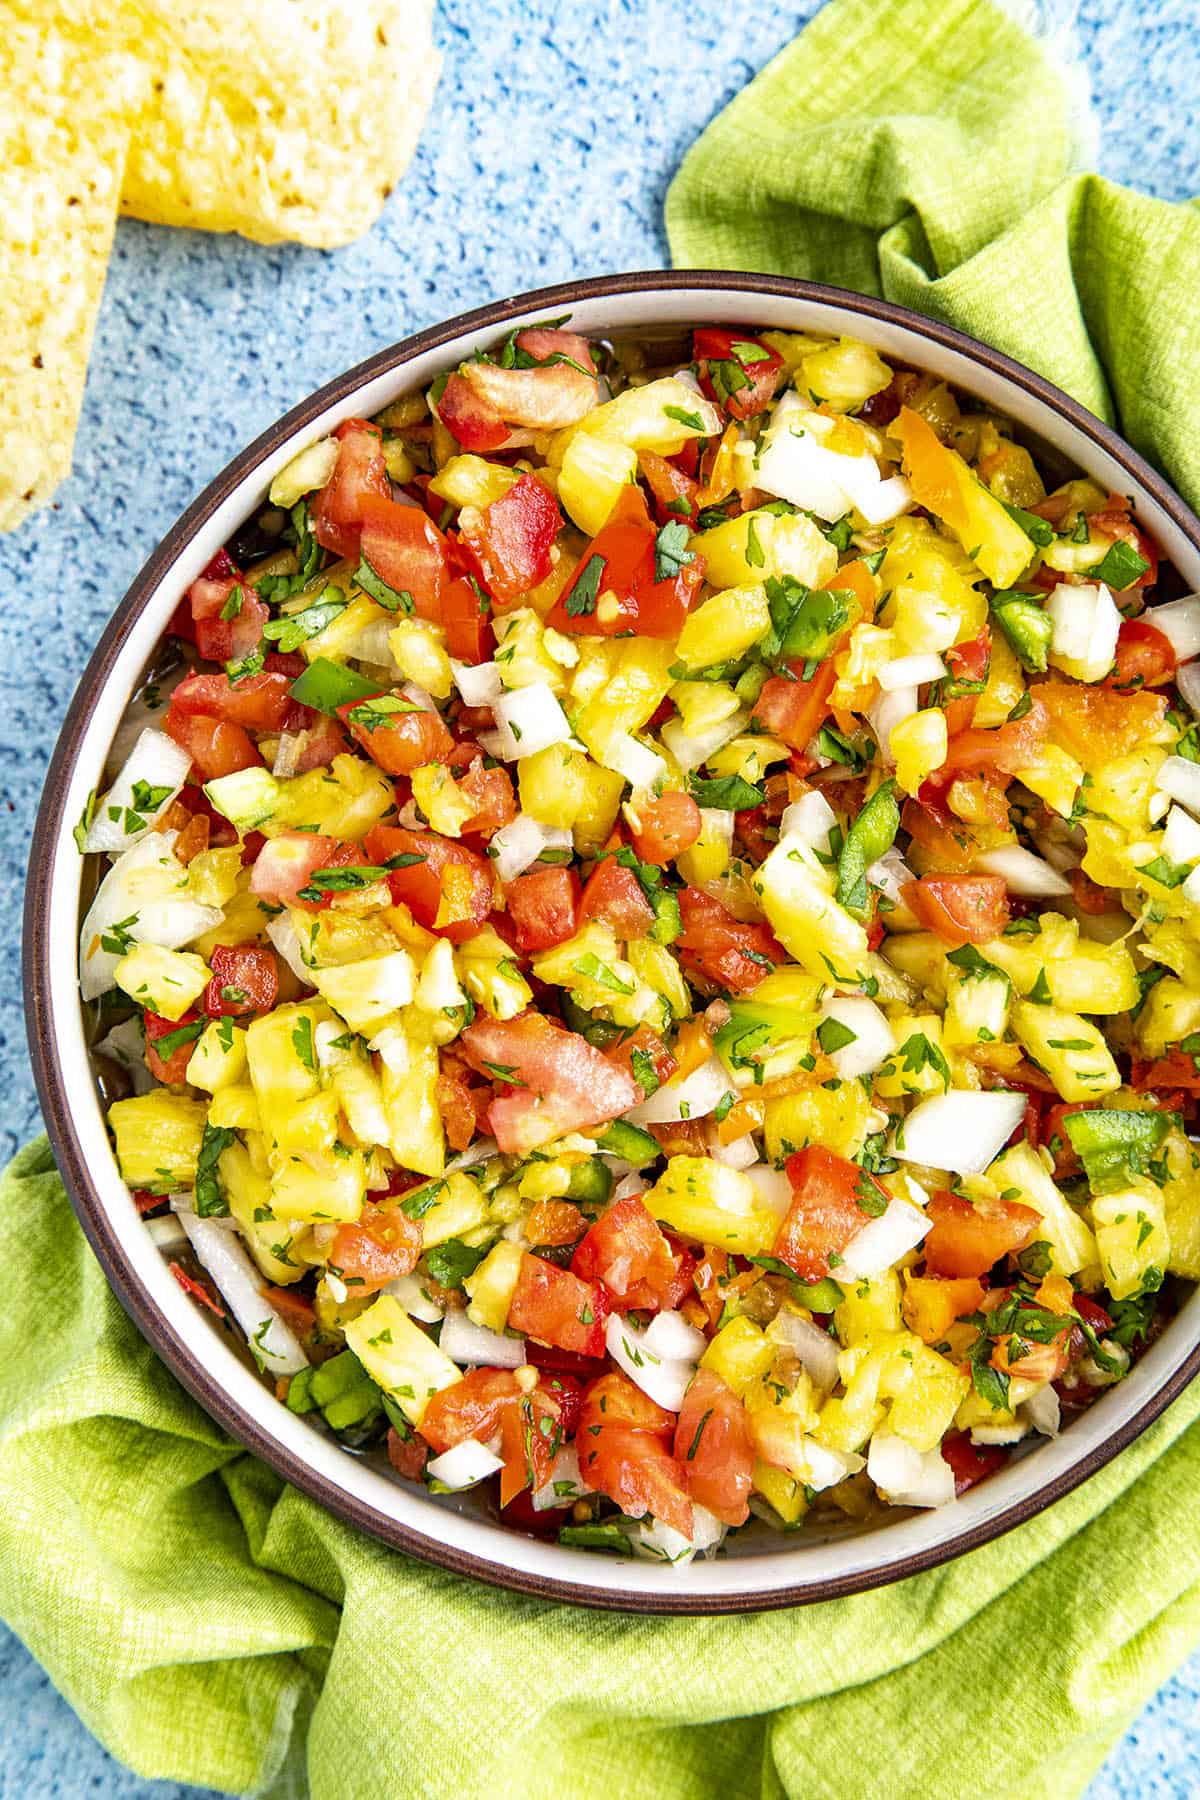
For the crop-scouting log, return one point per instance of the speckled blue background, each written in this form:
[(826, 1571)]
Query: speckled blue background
[(555, 131)]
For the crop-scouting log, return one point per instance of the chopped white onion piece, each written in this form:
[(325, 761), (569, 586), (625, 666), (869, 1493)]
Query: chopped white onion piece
[(909, 1477), (1179, 621), (167, 1234), (772, 1186), (1180, 779), (1010, 1433), (911, 671), (154, 771), (694, 1097), (690, 752), (1085, 624), (820, 1468), (126, 1046), (1181, 839), (286, 941), (793, 462), (521, 842), (627, 756), (480, 1151), (629, 1185), (1044, 1411), (478, 683), (528, 719), (889, 711), (739, 1153), (961, 1132), (1187, 680), (665, 1379), (408, 1291), (669, 1335), (144, 895), (1191, 888), (872, 1042), (564, 1484), (883, 1241), (275, 1346), (883, 502), (890, 874), (464, 1465), (420, 697), (810, 817), (662, 1543), (1024, 873), (814, 1348), (465, 1342)]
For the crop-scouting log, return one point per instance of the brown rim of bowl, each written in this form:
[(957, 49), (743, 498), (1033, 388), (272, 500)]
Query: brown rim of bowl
[(37, 952)]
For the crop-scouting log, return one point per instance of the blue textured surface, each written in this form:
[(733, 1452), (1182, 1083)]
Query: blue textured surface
[(555, 131)]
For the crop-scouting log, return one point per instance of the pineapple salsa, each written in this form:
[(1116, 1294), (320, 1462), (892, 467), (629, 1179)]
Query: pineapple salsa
[(649, 950)]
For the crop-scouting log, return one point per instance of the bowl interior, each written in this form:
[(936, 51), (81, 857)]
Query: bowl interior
[(761, 1568)]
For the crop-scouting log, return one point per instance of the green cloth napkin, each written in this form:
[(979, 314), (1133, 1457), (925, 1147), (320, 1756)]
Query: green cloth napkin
[(213, 1626), (924, 150)]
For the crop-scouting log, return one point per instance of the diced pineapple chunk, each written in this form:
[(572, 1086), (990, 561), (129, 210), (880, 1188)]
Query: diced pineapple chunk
[(709, 856), (1004, 687), (343, 801), (661, 415), (419, 652), (797, 898), (554, 784), (441, 799), (213, 876), (634, 677), (523, 652), (1020, 1174), (758, 545), (918, 1063), (219, 1058), (248, 1191), (976, 1007), (366, 993), (842, 375), (491, 975), (594, 470), (658, 969), (1054, 778), (472, 481), (398, 1355), (1171, 1013), (703, 704), (1071, 1049), (158, 1139), (749, 756), (163, 981), (869, 1309), (409, 1079), (783, 1492), (837, 1117), (491, 1285), (723, 627), (590, 964), (741, 1353), (236, 1108), (281, 1051), (918, 745), (703, 1199), (330, 1187), (1132, 1237)]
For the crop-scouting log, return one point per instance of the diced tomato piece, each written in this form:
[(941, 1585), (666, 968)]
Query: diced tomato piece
[(1176, 1070), (541, 399), (736, 370), (664, 827), (171, 1068), (624, 548), (472, 1408), (513, 538), (556, 1307), (674, 492), (945, 844), (245, 979), (469, 634), (962, 909), (714, 1448), (969, 661), (1089, 897), (295, 1309), (1093, 1314), (257, 703), (1006, 748), (553, 1224), (398, 742), (825, 1212), (222, 639), (1097, 724), (1054, 1136), (614, 893), (546, 342), (732, 954), (625, 1451), (531, 1434), (970, 1462), (641, 1048), (456, 1103), (359, 473), (469, 417), (627, 1251), (221, 833), (407, 1455), (793, 709), (286, 863), (406, 549), (544, 908), (1145, 657), (554, 1081), (490, 791), (968, 1239), (448, 890), (215, 746), (383, 1244)]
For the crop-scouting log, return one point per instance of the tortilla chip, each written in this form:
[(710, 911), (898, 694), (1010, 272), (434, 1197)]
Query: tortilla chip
[(62, 158), (286, 119)]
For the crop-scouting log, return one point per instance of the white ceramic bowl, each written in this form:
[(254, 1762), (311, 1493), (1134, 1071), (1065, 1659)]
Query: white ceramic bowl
[(761, 1569)]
